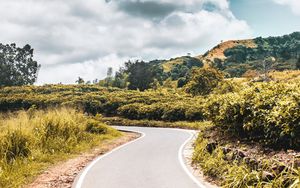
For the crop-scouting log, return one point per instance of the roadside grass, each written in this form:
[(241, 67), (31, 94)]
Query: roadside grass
[(33, 140), (236, 173), (196, 125)]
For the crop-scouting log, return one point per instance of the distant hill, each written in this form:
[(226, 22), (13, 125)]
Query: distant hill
[(218, 51), (236, 57)]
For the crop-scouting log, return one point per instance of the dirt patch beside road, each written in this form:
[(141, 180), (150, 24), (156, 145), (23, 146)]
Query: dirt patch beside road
[(63, 174)]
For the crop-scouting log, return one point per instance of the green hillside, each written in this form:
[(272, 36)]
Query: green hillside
[(238, 57)]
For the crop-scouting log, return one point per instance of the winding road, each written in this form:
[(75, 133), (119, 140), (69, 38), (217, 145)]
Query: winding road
[(154, 160)]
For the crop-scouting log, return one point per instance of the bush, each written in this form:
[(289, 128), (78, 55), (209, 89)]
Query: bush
[(96, 127), (175, 111), (203, 81), (267, 112)]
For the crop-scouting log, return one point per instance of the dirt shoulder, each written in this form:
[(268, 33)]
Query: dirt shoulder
[(188, 154), (63, 174)]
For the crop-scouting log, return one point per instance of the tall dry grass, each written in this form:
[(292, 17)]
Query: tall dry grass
[(32, 140)]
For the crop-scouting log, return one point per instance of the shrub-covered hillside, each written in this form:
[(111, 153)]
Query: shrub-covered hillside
[(238, 57)]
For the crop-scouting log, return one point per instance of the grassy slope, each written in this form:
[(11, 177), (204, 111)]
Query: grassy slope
[(218, 51), (32, 141)]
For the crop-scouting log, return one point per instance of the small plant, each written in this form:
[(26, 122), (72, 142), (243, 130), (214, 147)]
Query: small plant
[(96, 127)]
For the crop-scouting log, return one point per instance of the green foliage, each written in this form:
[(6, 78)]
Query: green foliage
[(183, 69), (140, 74), (266, 112), (96, 127), (203, 81), (120, 80), (227, 86), (284, 49), (17, 66), (145, 75), (195, 125), (236, 173), (163, 111)]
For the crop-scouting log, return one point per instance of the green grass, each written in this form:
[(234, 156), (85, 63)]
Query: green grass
[(32, 141), (237, 174), (196, 125)]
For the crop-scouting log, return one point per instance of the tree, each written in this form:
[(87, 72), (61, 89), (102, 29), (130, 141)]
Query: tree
[(203, 81), (267, 66), (95, 81), (108, 78), (120, 79), (218, 64), (80, 80), (17, 66), (140, 75), (181, 82)]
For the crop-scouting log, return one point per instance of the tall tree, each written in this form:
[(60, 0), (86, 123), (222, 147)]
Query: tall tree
[(17, 66), (267, 66), (120, 79), (140, 75), (108, 79)]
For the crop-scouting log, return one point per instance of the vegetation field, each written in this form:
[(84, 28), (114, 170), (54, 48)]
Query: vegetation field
[(31, 141)]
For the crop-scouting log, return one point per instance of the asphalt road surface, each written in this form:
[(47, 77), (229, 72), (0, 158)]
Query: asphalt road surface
[(154, 160)]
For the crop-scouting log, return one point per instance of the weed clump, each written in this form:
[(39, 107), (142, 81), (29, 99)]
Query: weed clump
[(95, 127)]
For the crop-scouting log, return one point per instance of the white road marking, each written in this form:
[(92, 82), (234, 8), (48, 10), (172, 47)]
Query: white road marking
[(86, 170), (183, 165), (180, 158)]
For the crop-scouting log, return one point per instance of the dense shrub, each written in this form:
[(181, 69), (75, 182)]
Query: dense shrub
[(203, 81), (96, 127), (175, 111), (269, 112)]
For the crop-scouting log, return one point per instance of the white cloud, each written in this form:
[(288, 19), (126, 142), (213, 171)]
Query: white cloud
[(89, 70), (293, 4), (82, 38)]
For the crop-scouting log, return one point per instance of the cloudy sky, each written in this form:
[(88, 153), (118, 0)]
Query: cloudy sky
[(83, 38)]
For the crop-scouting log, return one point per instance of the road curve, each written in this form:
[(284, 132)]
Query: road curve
[(153, 161)]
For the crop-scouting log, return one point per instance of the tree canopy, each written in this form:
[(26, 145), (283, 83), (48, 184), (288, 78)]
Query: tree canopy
[(17, 65), (203, 81), (140, 74)]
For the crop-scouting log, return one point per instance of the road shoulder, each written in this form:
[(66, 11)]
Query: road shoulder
[(62, 175), (187, 155)]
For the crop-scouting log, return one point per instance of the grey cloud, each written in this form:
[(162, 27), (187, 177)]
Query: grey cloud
[(147, 9)]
